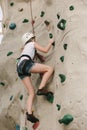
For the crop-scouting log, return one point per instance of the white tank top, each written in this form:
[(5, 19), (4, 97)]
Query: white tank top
[(29, 49)]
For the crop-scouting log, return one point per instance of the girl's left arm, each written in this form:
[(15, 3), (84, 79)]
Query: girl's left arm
[(44, 49)]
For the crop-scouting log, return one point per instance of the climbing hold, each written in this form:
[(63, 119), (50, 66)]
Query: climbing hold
[(24, 128), (25, 21), (35, 125), (33, 21), (17, 127), (9, 53), (12, 3), (21, 97), (53, 44), (66, 119), (11, 97), (20, 10), (58, 16), (47, 22), (50, 35), (50, 97), (62, 24), (62, 77), (71, 7), (42, 14), (58, 106), (12, 26), (2, 83), (65, 46), (62, 58), (4, 25)]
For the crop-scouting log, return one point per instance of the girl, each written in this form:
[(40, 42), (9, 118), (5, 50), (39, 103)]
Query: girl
[(26, 66)]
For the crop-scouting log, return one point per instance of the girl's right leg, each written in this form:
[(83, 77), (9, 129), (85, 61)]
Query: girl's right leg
[(45, 70)]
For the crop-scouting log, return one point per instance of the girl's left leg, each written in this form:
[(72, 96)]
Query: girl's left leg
[(30, 88)]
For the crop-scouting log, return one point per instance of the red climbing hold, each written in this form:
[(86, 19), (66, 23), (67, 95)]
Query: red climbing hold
[(35, 125), (33, 21)]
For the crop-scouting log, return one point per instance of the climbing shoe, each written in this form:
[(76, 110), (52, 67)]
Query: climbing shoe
[(31, 118), (43, 92)]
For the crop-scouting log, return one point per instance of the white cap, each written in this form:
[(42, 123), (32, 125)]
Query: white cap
[(27, 36)]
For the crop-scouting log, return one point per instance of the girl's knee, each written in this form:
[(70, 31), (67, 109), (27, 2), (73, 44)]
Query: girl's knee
[(51, 69), (32, 95)]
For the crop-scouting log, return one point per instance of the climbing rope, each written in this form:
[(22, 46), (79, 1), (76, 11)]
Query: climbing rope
[(32, 17)]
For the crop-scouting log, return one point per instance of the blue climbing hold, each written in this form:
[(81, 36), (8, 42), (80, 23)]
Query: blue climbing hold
[(17, 127), (12, 26)]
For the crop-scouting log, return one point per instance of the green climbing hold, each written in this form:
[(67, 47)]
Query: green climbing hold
[(17, 127), (25, 21), (62, 24), (58, 106), (62, 58), (21, 97), (65, 46), (42, 14), (50, 35), (50, 97), (62, 77), (2, 83), (47, 22), (9, 53), (24, 128), (71, 7), (66, 119), (12, 3), (12, 26), (11, 97)]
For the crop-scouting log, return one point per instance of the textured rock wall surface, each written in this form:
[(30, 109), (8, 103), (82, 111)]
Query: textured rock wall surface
[(70, 91)]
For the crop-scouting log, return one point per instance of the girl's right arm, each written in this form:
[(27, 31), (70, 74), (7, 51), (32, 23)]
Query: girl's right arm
[(44, 49)]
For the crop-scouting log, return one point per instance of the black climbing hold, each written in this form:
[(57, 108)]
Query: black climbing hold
[(4, 25), (62, 77), (12, 26), (42, 14), (66, 119), (17, 127), (20, 10), (25, 21), (2, 83), (12, 3), (50, 97), (21, 97), (58, 106), (50, 35), (53, 44), (62, 24), (47, 22), (58, 16), (62, 58), (71, 7), (11, 97), (9, 53), (65, 46)]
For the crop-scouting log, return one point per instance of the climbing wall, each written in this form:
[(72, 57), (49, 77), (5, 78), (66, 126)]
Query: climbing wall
[(66, 22)]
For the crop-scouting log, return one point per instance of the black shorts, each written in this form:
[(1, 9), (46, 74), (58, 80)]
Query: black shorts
[(23, 69)]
